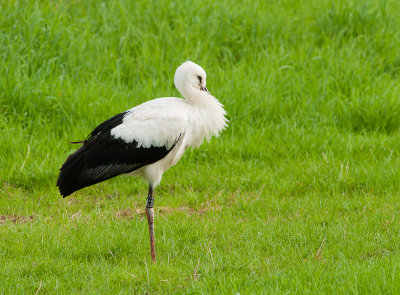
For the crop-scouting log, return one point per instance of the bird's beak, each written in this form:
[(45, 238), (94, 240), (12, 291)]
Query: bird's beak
[(205, 89)]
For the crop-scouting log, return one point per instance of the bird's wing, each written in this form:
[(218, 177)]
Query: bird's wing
[(122, 144), (158, 122)]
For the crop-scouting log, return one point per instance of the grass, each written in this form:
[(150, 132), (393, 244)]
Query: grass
[(300, 194)]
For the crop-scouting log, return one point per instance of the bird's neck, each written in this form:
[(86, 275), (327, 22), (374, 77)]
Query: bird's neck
[(209, 118), (197, 97)]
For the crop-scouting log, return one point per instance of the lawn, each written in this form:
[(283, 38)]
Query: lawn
[(300, 195)]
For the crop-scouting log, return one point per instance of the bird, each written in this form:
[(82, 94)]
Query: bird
[(147, 139)]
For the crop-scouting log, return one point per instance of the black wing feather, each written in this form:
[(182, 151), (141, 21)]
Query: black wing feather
[(108, 124), (102, 157)]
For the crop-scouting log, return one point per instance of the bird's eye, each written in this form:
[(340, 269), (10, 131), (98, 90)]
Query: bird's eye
[(199, 77)]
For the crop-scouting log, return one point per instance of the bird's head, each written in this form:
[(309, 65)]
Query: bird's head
[(190, 78)]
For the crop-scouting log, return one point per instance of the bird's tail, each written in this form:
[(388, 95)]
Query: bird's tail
[(69, 181)]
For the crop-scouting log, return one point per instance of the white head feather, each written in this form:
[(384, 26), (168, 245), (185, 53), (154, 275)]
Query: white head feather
[(190, 79)]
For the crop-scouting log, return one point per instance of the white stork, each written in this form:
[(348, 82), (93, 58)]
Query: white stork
[(147, 139)]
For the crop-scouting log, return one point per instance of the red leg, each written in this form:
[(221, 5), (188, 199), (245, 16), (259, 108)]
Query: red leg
[(150, 221)]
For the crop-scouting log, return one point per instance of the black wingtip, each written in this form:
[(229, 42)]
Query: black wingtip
[(62, 190), (61, 185), (67, 181)]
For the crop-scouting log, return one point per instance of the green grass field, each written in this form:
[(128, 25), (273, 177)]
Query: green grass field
[(300, 195)]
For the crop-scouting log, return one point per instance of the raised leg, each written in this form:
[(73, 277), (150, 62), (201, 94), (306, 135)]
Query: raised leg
[(150, 221)]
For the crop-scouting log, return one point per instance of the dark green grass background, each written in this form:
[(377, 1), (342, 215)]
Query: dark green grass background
[(300, 195)]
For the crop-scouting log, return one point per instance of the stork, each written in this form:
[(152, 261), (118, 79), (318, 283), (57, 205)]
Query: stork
[(147, 139)]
